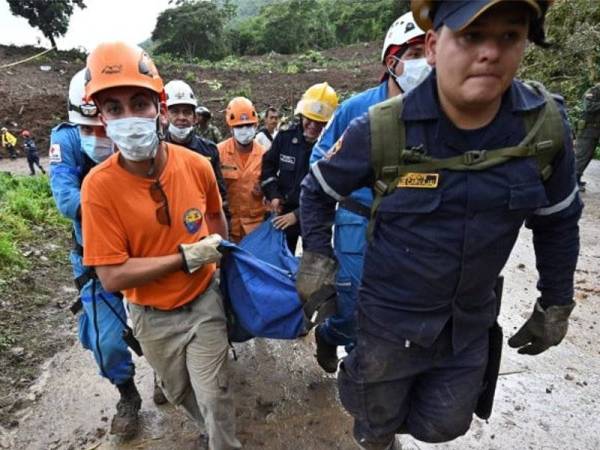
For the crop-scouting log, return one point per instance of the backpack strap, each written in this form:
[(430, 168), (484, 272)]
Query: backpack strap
[(543, 126), (391, 161), (388, 139)]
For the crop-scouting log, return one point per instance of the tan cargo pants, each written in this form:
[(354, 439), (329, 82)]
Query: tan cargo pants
[(188, 348)]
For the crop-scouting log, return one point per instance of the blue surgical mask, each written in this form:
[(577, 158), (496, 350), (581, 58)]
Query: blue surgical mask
[(136, 137), (97, 148)]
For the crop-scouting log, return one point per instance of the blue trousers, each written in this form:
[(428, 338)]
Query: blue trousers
[(100, 332), (430, 393), (349, 245)]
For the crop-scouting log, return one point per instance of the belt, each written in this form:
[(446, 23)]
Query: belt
[(356, 207)]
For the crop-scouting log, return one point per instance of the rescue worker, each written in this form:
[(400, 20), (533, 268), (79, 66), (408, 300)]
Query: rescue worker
[(285, 165), (33, 157), (268, 131), (442, 230), (589, 134), (404, 66), (181, 104), (150, 208), (241, 161), (8, 142), (76, 147), (206, 129)]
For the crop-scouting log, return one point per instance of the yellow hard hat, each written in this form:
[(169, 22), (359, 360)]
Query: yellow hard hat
[(318, 103)]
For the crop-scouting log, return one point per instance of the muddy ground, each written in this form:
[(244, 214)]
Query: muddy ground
[(285, 402)]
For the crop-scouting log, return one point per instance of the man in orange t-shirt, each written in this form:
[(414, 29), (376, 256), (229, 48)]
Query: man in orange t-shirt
[(241, 162), (150, 209)]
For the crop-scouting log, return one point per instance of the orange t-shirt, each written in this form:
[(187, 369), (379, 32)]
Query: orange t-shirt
[(119, 222)]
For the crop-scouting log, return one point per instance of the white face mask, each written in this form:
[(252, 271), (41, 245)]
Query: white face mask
[(136, 137), (180, 134), (244, 135), (97, 148), (415, 71)]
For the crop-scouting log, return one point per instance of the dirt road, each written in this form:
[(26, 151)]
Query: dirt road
[(551, 401)]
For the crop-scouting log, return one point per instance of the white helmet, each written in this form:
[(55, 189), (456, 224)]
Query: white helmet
[(180, 93), (80, 111), (402, 30)]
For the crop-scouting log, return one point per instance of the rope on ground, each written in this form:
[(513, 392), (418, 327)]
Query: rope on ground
[(5, 66)]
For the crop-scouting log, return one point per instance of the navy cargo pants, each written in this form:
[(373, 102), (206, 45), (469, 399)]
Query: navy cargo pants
[(430, 393)]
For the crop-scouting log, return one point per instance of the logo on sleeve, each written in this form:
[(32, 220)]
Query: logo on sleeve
[(335, 149), (419, 180), (192, 219), (54, 153)]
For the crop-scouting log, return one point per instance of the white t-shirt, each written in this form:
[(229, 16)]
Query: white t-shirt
[(264, 140)]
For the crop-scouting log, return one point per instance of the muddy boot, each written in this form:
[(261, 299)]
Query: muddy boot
[(125, 422), (158, 395), (326, 353)]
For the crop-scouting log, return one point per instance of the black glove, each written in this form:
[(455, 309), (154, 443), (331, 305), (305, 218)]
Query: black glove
[(544, 329), (315, 271)]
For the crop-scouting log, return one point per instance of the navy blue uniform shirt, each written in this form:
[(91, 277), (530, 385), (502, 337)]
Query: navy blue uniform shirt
[(436, 253), (285, 165)]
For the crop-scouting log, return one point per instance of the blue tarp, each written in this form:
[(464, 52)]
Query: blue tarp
[(258, 281)]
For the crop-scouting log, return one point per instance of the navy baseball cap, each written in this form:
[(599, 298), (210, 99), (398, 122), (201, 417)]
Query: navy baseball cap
[(458, 14)]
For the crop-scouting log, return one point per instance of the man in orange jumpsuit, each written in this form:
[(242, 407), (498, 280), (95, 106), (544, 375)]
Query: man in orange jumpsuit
[(241, 163)]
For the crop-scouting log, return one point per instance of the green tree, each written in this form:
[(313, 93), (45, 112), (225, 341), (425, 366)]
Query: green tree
[(50, 16), (572, 64), (193, 29)]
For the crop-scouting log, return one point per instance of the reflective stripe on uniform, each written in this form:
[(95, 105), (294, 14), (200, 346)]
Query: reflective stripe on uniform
[(268, 181), (328, 189), (564, 204)]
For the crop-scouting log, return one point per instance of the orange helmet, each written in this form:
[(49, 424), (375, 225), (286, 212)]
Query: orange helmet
[(25, 133), (114, 64), (240, 111)]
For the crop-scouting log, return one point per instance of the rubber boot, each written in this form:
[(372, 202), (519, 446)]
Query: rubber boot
[(326, 353), (125, 422), (158, 395)]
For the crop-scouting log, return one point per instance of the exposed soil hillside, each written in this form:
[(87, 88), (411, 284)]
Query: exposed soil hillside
[(36, 99)]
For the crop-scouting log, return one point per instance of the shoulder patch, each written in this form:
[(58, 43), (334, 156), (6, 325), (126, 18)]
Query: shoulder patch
[(54, 154), (335, 149)]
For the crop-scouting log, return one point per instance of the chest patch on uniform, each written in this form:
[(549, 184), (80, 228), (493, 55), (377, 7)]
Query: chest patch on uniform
[(419, 180), (54, 153), (192, 219), (287, 159)]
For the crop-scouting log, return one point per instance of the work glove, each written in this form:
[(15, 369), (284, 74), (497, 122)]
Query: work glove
[(199, 253), (545, 328), (315, 271)]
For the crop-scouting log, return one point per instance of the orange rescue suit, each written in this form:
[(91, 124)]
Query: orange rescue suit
[(242, 177)]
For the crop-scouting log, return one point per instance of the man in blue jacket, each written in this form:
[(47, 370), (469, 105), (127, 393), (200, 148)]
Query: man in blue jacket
[(405, 66), (441, 235), (76, 147)]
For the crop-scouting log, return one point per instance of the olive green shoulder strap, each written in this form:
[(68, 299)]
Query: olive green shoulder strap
[(387, 142), (544, 126)]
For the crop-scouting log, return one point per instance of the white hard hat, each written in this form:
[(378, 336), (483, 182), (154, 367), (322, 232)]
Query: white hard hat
[(402, 30), (80, 111), (180, 93)]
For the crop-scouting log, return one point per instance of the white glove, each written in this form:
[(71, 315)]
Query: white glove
[(200, 253)]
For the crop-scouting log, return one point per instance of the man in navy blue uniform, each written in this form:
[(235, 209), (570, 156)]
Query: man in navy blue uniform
[(403, 59), (181, 106), (285, 164), (440, 239)]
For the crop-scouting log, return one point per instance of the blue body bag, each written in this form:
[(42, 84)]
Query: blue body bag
[(258, 285)]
